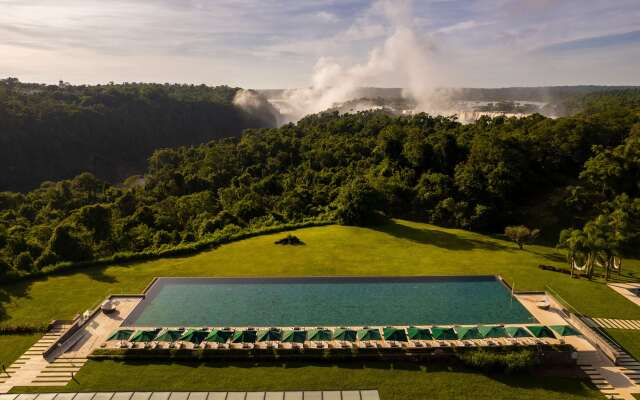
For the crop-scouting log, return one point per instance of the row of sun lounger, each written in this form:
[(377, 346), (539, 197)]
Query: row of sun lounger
[(340, 344)]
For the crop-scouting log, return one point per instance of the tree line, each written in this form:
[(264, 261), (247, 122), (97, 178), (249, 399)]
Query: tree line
[(580, 173), (53, 132)]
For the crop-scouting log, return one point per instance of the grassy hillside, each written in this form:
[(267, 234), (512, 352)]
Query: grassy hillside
[(12, 346), (398, 248)]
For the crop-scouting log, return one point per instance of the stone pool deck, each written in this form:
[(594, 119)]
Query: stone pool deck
[(33, 369), (614, 381), (288, 395)]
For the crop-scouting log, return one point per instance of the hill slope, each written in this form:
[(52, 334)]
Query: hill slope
[(397, 248)]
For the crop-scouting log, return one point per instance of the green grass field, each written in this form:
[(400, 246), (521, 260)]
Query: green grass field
[(397, 248), (629, 339), (12, 347), (398, 381)]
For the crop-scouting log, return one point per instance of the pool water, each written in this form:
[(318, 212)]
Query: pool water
[(327, 302)]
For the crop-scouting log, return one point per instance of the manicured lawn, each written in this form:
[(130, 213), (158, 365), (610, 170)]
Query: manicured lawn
[(12, 347), (629, 339), (398, 381), (398, 248)]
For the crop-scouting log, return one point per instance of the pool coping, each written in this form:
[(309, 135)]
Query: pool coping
[(149, 290)]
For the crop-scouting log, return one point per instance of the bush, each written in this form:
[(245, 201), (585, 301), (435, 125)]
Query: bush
[(290, 240), (521, 234), (24, 261), (491, 361)]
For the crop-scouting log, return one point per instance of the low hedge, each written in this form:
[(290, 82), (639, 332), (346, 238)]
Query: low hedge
[(22, 330), (174, 251), (488, 360)]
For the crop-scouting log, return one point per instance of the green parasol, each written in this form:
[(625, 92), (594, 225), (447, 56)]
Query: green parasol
[(219, 336), (468, 332), (419, 333), (443, 333), (369, 334), (319, 335), (121, 334), (345, 334), (396, 334), (294, 336), (245, 336)]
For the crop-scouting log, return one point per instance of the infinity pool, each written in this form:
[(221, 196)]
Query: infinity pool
[(327, 302)]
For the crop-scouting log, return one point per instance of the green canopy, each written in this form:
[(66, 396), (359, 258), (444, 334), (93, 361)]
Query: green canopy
[(168, 336), (144, 335), (564, 330), (269, 335), (517, 331), (294, 336), (319, 335), (416, 333), (468, 332), (195, 336), (492, 331), (396, 334), (444, 333), (369, 334), (245, 336), (345, 334), (219, 336), (540, 331), (121, 334)]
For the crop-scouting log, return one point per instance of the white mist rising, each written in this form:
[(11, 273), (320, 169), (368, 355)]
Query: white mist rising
[(404, 55)]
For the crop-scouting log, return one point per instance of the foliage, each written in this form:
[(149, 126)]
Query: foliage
[(350, 168), (521, 234), (495, 361), (52, 132)]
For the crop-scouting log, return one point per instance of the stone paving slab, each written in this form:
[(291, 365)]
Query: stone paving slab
[(312, 395), (121, 396), (179, 396), (351, 395), (331, 396), (100, 396), (297, 395), (84, 396), (65, 396), (46, 396), (141, 396), (160, 396), (369, 395)]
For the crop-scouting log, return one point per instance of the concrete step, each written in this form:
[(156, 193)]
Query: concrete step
[(34, 383)]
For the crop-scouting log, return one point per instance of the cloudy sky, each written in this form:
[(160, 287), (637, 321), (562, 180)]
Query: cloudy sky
[(277, 43)]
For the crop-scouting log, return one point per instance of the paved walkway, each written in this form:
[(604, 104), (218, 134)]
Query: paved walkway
[(314, 395), (614, 381), (617, 323), (623, 289), (32, 369)]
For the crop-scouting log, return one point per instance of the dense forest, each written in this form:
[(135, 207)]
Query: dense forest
[(580, 172), (52, 132)]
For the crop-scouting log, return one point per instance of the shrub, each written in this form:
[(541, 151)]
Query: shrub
[(521, 234), (24, 261), (490, 361), (290, 240)]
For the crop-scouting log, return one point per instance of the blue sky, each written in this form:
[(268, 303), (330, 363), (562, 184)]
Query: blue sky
[(276, 43)]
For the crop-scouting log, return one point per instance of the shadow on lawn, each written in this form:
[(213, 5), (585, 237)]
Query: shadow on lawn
[(437, 238)]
